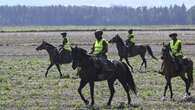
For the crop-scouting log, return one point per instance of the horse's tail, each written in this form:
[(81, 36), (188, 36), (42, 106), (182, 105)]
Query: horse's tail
[(129, 79), (150, 52), (190, 73)]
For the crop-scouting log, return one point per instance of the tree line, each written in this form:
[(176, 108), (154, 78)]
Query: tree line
[(90, 15)]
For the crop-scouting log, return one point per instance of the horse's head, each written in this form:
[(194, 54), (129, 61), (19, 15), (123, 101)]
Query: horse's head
[(42, 46), (77, 55), (165, 52), (115, 39)]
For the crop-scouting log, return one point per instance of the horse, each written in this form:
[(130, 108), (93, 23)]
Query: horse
[(55, 57), (124, 52), (93, 69), (169, 70)]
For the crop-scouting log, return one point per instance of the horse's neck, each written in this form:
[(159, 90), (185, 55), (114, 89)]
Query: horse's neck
[(85, 62), (120, 46), (51, 51), (168, 63)]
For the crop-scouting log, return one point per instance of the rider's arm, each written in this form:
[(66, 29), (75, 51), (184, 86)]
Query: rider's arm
[(169, 45), (93, 48), (179, 47)]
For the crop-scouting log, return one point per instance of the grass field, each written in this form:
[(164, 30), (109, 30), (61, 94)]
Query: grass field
[(23, 85)]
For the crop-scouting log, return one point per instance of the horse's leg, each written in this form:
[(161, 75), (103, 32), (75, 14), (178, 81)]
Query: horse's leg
[(121, 59), (48, 69), (126, 59), (165, 90), (91, 84), (58, 67), (170, 88), (187, 85), (125, 86), (82, 85), (144, 62), (112, 91)]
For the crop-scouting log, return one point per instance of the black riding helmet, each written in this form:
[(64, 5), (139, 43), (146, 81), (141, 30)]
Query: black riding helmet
[(130, 30), (98, 34), (63, 34), (173, 35)]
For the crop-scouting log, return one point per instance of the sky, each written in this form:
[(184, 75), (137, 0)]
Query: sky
[(107, 3)]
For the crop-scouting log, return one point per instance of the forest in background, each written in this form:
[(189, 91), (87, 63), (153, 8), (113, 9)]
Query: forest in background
[(90, 15)]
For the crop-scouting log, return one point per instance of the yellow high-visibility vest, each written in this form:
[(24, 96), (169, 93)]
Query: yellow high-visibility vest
[(174, 47), (67, 45), (99, 46), (131, 38)]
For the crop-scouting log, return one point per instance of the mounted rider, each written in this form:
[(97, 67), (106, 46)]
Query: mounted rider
[(99, 50), (66, 42), (100, 47), (130, 42), (65, 49), (175, 46)]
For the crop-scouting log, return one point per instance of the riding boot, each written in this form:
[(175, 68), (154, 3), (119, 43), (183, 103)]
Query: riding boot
[(106, 63), (178, 62), (180, 65)]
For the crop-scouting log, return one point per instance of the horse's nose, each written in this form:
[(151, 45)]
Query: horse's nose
[(37, 49), (74, 67)]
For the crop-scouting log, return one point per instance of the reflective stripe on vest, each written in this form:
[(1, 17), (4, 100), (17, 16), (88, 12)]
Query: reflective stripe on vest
[(98, 46), (67, 46), (174, 47), (131, 38)]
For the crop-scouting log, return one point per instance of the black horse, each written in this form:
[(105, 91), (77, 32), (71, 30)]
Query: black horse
[(55, 57), (124, 52), (169, 71), (93, 69)]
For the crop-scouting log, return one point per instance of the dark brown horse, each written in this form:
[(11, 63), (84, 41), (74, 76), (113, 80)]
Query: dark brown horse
[(169, 71), (124, 52), (55, 57), (94, 69)]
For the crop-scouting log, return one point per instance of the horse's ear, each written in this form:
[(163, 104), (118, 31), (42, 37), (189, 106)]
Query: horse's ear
[(71, 47), (163, 43), (76, 46)]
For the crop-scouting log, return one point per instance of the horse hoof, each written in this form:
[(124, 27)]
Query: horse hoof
[(130, 105), (172, 99), (163, 98), (86, 102), (108, 106), (186, 95), (91, 104)]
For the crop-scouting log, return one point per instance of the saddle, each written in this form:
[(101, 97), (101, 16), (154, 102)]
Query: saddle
[(103, 64), (181, 64), (65, 55)]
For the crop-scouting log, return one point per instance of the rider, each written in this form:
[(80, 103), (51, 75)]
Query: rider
[(175, 46), (130, 42), (100, 47), (65, 49), (66, 42)]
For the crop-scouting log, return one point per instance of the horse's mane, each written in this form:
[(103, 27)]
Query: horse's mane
[(50, 45), (120, 39), (83, 51)]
